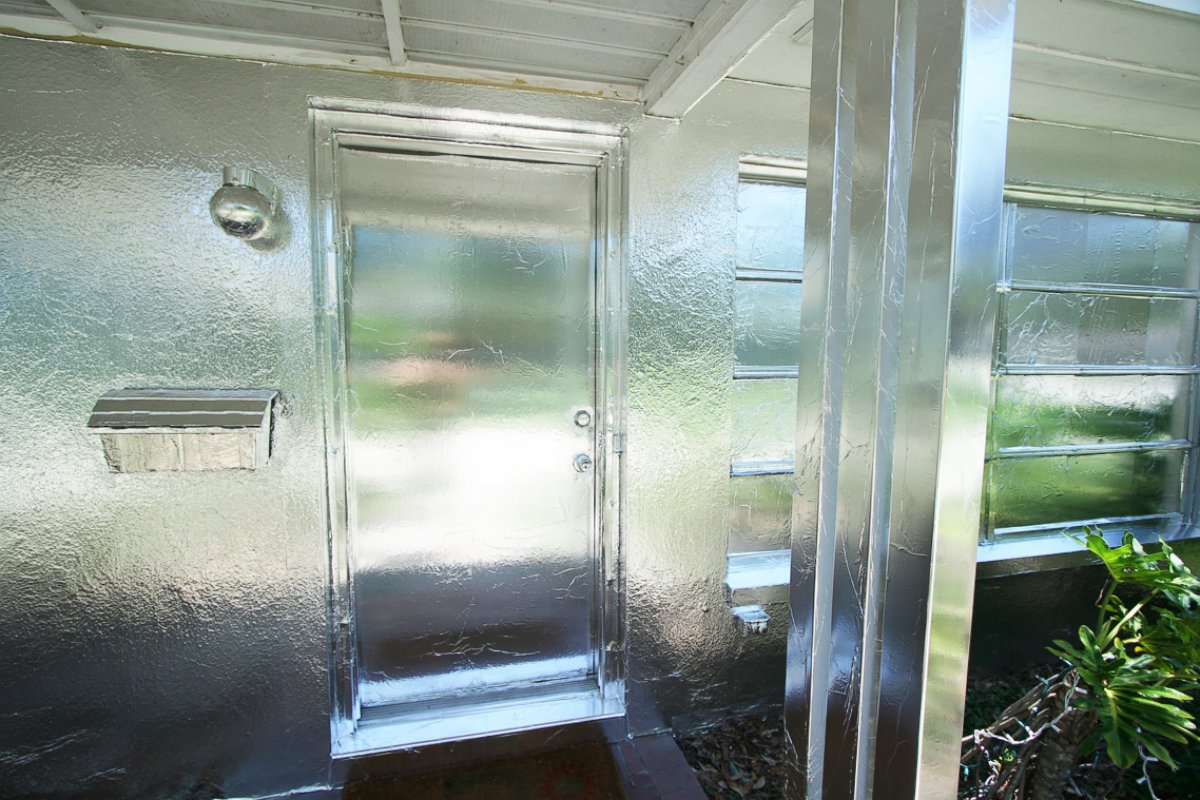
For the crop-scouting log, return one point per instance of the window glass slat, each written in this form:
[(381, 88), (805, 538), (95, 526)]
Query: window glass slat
[(1078, 246), (1048, 410), (1063, 489), (764, 420), (766, 324), (1044, 328), (760, 513), (770, 226)]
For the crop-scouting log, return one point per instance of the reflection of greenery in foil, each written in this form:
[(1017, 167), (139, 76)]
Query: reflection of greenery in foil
[(1069, 317), (760, 512), (764, 419), (435, 329), (1030, 491), (1041, 410)]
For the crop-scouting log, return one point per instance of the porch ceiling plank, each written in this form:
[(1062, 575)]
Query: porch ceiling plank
[(283, 49), (71, 13), (724, 32), (395, 37)]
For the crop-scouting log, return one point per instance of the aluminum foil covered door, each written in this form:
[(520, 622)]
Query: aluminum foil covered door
[(469, 325)]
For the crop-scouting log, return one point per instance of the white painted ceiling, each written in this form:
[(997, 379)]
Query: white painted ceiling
[(615, 42), (668, 53), (1111, 64), (1114, 64)]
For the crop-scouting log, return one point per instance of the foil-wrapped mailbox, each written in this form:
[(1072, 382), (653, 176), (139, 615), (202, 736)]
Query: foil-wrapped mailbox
[(178, 430)]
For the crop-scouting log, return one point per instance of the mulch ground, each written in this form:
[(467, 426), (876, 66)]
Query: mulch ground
[(745, 757)]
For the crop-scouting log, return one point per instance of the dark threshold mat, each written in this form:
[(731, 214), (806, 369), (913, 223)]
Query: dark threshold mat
[(586, 772)]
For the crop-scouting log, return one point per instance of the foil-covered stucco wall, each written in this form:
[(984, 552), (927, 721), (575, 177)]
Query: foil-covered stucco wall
[(160, 632)]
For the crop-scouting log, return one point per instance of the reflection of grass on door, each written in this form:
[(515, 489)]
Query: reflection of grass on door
[(404, 372), (425, 398)]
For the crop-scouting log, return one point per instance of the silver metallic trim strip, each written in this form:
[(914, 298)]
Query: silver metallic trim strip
[(775, 275), (427, 139), (766, 168), (1093, 369), (822, 348), (1078, 524), (741, 469), (1064, 197), (474, 126), (1038, 552), (764, 373), (979, 115), (1117, 290), (1088, 449)]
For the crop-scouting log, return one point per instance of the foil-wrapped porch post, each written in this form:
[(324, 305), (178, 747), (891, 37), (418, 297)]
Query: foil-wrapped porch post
[(906, 174)]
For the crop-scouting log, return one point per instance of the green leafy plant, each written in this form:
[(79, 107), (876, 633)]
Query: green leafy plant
[(1124, 692)]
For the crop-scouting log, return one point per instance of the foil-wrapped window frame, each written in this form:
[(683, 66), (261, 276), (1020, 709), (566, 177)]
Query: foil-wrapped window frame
[(745, 569)]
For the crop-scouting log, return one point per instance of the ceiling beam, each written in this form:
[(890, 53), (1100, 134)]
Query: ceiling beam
[(71, 13), (395, 38), (724, 32)]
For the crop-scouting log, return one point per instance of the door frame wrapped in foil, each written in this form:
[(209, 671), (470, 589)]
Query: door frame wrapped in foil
[(340, 123)]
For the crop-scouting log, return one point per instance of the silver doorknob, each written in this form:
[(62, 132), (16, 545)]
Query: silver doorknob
[(583, 463)]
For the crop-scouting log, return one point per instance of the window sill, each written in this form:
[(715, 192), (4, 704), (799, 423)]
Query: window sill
[(762, 577), (1017, 555), (758, 578)]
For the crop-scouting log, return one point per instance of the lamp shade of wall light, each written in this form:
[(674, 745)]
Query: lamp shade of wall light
[(245, 205)]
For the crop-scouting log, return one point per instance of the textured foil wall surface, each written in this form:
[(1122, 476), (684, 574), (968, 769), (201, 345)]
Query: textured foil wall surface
[(162, 631), (168, 630)]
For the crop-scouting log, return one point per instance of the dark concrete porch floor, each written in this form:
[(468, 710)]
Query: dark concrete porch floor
[(648, 768)]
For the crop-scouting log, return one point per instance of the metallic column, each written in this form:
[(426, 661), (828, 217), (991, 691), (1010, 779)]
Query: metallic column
[(906, 172)]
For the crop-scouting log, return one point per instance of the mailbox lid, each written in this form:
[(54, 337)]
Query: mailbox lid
[(182, 410), (184, 430)]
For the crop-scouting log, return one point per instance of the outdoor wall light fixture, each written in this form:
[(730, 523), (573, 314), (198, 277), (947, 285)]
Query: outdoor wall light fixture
[(246, 205)]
